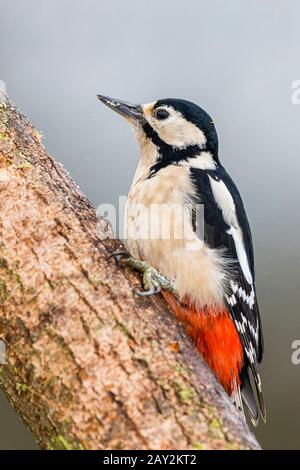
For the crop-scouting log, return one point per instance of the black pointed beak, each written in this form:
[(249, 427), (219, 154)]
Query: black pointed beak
[(127, 110)]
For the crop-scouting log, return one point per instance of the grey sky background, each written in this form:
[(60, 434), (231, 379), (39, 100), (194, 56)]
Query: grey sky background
[(237, 59)]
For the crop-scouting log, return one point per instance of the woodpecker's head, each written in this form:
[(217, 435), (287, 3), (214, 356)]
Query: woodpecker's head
[(177, 129)]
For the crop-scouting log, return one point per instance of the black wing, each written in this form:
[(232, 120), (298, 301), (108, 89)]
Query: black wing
[(241, 297)]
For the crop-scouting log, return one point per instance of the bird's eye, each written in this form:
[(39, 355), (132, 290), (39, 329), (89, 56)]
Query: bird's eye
[(161, 114)]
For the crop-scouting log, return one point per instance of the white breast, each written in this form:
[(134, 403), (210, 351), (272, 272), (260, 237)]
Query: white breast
[(158, 230)]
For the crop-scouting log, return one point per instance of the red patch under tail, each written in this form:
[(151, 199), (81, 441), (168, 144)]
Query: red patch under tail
[(215, 337)]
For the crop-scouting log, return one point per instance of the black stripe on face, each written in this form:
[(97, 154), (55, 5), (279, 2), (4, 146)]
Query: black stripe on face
[(168, 155)]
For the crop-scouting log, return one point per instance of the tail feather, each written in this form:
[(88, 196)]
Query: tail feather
[(248, 396), (237, 399), (259, 394)]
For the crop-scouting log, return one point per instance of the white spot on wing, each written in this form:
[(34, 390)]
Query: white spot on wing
[(238, 290), (251, 354), (231, 300), (241, 252), (254, 330), (225, 202)]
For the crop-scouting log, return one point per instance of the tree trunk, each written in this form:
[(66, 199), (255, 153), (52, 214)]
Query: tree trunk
[(89, 364)]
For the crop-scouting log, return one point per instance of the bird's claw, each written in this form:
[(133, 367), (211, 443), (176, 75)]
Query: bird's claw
[(150, 291), (118, 255), (153, 281), (151, 286)]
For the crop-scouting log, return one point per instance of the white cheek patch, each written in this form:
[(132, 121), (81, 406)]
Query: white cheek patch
[(176, 130), (226, 204), (181, 133)]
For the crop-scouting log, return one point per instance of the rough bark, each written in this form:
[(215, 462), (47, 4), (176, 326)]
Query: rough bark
[(89, 364)]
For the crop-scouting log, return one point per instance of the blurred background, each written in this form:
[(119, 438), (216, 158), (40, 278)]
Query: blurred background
[(239, 60)]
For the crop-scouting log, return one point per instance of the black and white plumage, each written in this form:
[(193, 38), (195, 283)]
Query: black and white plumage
[(180, 163), (227, 226)]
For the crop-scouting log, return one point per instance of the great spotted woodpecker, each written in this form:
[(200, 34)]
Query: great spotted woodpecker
[(212, 289)]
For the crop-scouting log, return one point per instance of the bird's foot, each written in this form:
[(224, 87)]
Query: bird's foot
[(152, 280)]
